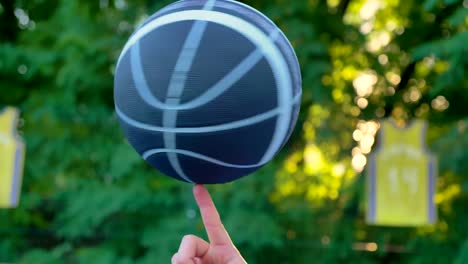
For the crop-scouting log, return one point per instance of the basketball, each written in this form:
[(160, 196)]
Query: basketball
[(207, 91)]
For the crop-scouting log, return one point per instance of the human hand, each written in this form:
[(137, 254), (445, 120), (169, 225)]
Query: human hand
[(220, 250)]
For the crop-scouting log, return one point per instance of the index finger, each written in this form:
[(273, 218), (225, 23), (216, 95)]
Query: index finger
[(213, 225)]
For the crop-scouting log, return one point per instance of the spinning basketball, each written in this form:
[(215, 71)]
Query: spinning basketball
[(207, 91)]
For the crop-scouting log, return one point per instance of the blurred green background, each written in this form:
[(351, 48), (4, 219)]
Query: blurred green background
[(89, 198)]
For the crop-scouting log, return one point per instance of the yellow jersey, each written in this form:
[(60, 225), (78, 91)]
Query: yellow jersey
[(401, 177), (11, 158)]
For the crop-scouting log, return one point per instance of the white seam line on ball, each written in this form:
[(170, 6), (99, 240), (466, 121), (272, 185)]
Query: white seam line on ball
[(207, 129), (210, 94), (177, 85), (199, 156)]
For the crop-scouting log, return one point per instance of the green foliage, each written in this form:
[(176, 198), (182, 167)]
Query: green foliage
[(89, 198)]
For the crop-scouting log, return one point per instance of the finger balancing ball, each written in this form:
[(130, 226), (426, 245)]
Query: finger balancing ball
[(207, 91)]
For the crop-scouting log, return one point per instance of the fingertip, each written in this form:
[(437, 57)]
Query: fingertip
[(200, 193), (202, 197), (197, 189)]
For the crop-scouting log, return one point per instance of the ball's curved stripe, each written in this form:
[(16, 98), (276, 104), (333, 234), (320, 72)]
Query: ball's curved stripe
[(183, 16), (209, 95), (177, 86), (169, 139), (209, 4), (273, 56), (207, 129), (199, 156)]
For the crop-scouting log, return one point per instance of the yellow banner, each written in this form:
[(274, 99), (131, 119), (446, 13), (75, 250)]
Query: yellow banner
[(11, 159), (401, 177)]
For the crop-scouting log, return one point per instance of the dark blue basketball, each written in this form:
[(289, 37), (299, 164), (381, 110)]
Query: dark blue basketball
[(207, 91)]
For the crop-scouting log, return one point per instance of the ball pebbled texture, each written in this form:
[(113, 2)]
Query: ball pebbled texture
[(207, 91)]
